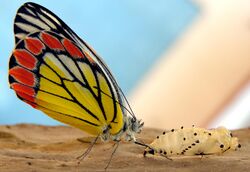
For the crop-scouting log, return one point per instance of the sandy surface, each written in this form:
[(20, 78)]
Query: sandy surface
[(33, 148)]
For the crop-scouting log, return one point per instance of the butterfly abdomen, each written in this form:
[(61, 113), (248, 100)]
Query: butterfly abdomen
[(193, 141)]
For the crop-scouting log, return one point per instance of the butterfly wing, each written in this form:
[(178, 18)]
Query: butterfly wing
[(53, 70)]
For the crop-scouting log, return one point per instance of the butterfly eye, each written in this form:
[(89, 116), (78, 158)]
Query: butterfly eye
[(133, 120)]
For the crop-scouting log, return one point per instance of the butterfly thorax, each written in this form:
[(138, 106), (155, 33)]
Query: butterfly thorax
[(131, 126)]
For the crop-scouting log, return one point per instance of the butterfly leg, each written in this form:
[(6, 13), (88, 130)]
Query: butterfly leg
[(82, 156), (116, 146)]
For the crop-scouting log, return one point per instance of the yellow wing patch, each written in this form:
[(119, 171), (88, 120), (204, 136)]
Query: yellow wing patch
[(73, 121), (50, 87), (46, 71), (63, 106), (82, 96), (90, 77), (108, 103), (57, 66)]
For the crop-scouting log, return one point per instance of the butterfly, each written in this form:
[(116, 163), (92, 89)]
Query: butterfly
[(52, 69), (193, 141)]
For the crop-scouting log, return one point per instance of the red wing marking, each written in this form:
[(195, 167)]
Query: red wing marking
[(34, 45), (25, 92), (51, 41), (26, 97), (72, 49), (23, 88), (25, 59), (23, 76)]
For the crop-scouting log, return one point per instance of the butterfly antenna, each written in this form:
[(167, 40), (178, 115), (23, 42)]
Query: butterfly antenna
[(126, 100), (82, 156), (116, 146)]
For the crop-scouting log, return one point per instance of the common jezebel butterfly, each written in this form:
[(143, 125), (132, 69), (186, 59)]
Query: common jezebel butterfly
[(55, 71), (193, 141)]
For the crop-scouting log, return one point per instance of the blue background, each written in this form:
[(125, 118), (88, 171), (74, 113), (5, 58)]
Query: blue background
[(129, 34)]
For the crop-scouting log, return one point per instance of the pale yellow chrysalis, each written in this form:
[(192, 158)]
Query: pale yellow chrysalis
[(193, 141)]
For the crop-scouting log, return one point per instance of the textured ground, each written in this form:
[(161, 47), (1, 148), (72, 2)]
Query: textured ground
[(33, 148)]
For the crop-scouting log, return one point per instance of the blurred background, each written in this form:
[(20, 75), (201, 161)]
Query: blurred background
[(180, 62)]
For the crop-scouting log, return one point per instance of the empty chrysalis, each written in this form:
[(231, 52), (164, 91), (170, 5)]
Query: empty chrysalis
[(193, 141)]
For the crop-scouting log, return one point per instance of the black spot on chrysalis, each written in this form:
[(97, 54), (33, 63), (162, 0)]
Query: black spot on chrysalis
[(151, 151), (181, 127), (184, 138), (221, 146), (172, 130), (164, 132), (195, 134)]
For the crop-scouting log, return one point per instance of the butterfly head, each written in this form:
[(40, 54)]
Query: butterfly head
[(136, 125), (132, 126)]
